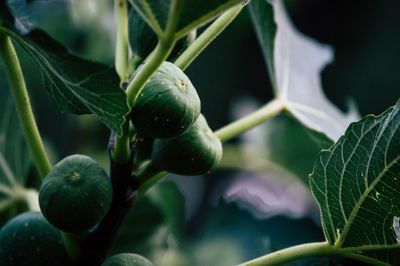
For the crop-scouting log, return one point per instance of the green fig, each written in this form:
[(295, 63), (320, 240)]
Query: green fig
[(195, 151), (76, 194), (28, 239), (127, 259), (167, 105)]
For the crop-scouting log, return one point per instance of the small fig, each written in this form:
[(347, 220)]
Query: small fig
[(76, 194), (195, 151), (167, 105), (28, 239), (127, 259)]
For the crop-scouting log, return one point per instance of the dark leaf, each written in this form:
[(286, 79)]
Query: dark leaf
[(76, 85), (193, 13)]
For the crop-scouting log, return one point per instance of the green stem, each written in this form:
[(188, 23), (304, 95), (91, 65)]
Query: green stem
[(173, 18), (23, 105), (73, 243), (122, 44), (157, 57), (133, 64), (321, 249), (146, 172), (150, 182), (240, 126), (121, 152), (186, 58), (279, 257)]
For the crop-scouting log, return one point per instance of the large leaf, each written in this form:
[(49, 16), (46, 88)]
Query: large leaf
[(294, 63), (356, 184), (76, 85), (193, 13), (15, 158)]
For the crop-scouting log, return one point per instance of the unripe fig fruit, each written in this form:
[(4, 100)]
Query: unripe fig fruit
[(28, 239), (195, 151), (127, 259), (143, 39), (167, 105), (76, 194)]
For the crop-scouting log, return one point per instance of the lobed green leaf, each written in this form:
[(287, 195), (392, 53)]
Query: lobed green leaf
[(356, 184), (76, 85)]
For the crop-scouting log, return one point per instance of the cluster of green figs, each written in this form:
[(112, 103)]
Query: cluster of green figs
[(170, 134)]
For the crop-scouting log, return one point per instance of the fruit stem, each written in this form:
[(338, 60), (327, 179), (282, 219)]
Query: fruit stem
[(150, 181), (173, 19), (73, 243), (121, 151), (257, 117), (122, 44), (23, 105), (320, 249), (215, 29), (146, 173)]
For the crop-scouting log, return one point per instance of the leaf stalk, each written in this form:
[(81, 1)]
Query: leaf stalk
[(320, 249), (257, 117), (122, 44), (215, 29), (23, 105)]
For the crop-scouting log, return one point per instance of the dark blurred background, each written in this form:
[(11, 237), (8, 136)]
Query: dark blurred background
[(365, 35)]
